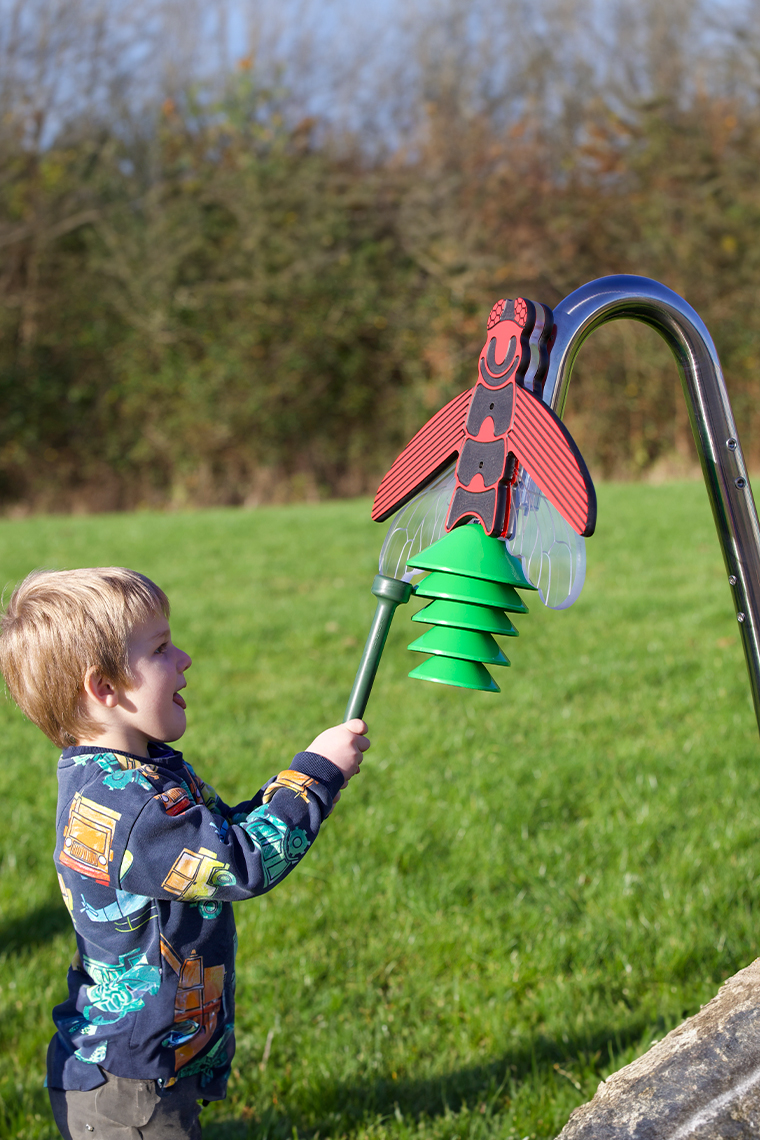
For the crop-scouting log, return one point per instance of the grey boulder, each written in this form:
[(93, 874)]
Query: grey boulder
[(701, 1082)]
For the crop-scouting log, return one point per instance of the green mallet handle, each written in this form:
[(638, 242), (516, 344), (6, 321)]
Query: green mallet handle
[(390, 592)]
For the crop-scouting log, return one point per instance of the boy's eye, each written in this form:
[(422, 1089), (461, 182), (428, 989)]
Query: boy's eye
[(162, 647)]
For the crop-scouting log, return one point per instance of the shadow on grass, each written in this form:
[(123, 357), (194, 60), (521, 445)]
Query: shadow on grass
[(34, 927), (481, 1089)]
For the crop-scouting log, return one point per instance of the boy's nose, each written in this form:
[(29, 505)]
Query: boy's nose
[(185, 661)]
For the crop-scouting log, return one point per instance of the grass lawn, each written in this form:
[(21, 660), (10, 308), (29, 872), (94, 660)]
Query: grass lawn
[(518, 894)]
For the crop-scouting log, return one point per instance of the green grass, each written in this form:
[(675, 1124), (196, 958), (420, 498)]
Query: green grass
[(517, 894)]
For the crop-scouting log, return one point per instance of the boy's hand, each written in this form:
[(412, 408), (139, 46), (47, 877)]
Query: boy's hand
[(344, 745)]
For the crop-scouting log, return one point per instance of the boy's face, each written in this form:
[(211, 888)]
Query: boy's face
[(152, 708)]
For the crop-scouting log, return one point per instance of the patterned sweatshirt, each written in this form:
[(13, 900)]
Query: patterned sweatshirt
[(149, 862)]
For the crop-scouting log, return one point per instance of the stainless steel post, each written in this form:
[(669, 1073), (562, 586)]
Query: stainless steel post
[(712, 421)]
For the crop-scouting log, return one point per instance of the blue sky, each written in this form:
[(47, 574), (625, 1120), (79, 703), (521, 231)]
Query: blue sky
[(371, 65)]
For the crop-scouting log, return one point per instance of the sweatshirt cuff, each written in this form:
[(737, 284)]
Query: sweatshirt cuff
[(320, 768)]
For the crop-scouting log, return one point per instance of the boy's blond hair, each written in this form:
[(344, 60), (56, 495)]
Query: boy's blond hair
[(60, 623)]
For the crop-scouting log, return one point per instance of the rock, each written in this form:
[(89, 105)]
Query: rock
[(702, 1081)]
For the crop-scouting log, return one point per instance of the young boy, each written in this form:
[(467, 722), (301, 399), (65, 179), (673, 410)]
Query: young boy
[(149, 859)]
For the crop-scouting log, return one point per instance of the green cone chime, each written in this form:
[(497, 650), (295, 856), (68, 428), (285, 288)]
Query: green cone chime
[(473, 583)]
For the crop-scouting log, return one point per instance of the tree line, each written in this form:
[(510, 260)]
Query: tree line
[(221, 294)]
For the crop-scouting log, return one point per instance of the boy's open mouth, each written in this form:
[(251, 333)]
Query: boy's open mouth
[(178, 700)]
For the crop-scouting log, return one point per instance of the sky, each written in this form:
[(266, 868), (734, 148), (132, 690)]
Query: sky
[(364, 65)]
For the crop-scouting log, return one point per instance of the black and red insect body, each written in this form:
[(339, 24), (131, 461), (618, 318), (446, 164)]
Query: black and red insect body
[(493, 429), (487, 468)]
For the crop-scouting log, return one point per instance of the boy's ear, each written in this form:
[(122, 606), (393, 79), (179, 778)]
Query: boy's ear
[(100, 689)]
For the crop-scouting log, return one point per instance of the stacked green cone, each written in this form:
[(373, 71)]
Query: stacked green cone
[(473, 580)]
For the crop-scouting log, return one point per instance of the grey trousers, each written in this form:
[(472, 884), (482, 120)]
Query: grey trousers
[(125, 1109)]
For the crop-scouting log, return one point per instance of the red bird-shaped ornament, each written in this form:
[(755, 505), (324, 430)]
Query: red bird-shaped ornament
[(495, 428)]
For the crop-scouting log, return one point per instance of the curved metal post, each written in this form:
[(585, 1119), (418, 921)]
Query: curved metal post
[(712, 421)]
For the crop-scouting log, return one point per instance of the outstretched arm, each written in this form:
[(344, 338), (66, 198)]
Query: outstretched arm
[(200, 854)]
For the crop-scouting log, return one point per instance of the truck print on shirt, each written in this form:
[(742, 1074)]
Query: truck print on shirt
[(88, 838)]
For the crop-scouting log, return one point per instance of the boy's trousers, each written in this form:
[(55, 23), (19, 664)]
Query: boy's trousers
[(125, 1109)]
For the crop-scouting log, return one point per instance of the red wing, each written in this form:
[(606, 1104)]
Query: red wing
[(545, 447), (431, 449)]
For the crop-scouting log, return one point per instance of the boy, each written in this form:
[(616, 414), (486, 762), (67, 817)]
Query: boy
[(149, 859)]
